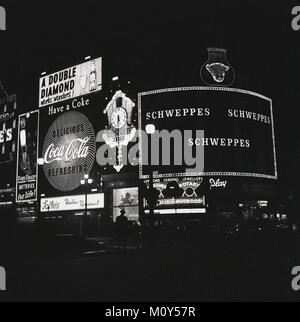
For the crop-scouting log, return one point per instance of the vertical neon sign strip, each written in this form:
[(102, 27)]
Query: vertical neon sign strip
[(27, 180)]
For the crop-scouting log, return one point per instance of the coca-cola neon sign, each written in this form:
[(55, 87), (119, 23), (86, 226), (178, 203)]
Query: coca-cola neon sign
[(77, 149), (69, 151)]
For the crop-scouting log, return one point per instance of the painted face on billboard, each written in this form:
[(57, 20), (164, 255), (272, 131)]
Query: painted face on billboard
[(69, 151)]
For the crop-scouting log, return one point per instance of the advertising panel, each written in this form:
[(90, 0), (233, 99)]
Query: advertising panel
[(70, 83), (8, 126), (126, 199), (27, 167), (71, 203), (68, 145), (231, 129), (69, 150), (8, 146), (85, 135)]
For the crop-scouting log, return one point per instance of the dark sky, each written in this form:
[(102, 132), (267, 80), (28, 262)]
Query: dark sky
[(161, 45)]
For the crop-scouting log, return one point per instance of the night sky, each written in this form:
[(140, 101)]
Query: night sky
[(158, 46)]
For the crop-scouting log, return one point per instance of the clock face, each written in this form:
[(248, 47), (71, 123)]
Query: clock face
[(119, 118)]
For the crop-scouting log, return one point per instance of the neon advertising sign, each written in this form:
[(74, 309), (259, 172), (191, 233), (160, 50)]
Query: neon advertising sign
[(120, 130), (69, 151), (71, 203), (70, 83), (233, 140)]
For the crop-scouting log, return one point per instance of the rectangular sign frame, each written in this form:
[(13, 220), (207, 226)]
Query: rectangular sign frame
[(18, 155), (144, 176), (75, 199), (71, 83)]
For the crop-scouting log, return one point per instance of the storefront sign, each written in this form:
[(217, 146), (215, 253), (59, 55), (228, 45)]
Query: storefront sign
[(73, 82), (27, 168), (190, 187), (69, 151), (217, 183), (184, 201), (71, 203), (7, 190), (185, 187)]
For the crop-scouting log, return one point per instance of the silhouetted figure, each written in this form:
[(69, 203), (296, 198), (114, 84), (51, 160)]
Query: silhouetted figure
[(122, 230)]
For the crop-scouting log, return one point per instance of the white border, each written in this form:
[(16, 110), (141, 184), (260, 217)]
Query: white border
[(203, 174), (67, 68), (89, 195), (37, 166)]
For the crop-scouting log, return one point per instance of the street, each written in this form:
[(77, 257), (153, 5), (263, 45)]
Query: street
[(219, 270)]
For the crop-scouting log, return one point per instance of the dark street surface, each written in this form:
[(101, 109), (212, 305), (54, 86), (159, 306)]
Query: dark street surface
[(256, 268)]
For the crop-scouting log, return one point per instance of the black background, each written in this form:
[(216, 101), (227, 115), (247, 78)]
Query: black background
[(160, 45)]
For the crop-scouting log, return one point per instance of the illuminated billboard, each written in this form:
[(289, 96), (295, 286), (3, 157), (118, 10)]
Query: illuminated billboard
[(8, 126), (69, 150), (8, 145), (126, 199), (94, 130), (72, 82), (27, 167), (71, 203), (67, 145), (232, 129)]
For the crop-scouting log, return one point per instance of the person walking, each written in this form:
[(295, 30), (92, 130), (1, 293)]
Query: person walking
[(122, 230)]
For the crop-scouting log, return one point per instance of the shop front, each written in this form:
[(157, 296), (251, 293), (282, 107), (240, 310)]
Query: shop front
[(73, 214)]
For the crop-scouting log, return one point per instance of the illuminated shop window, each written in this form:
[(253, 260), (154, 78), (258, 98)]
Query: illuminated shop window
[(127, 199)]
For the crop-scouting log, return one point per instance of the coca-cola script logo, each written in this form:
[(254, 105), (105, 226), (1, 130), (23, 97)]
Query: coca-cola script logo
[(69, 151)]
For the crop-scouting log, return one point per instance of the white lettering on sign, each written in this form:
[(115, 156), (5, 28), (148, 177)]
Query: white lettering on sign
[(77, 149), (71, 203), (217, 184), (6, 135)]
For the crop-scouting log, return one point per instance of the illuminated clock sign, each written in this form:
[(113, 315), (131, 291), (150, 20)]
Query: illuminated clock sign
[(120, 130), (69, 151)]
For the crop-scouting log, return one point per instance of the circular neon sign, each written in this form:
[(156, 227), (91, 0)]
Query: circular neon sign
[(69, 151)]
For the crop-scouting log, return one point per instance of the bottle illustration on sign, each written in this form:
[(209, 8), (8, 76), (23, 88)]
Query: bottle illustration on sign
[(217, 71), (93, 77)]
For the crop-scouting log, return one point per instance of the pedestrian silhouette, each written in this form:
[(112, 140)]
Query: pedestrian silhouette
[(122, 230)]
